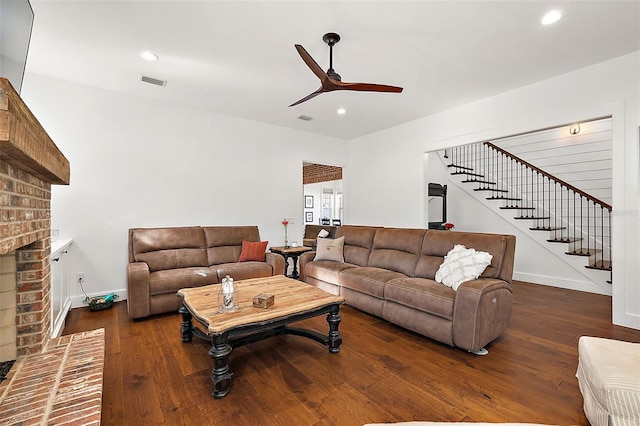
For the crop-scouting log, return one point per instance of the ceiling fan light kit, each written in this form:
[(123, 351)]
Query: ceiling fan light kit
[(331, 80)]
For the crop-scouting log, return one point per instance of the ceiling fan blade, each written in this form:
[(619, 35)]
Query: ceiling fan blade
[(306, 98), (311, 63), (368, 87), (330, 80)]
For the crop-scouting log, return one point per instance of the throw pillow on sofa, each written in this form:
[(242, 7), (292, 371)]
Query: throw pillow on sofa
[(253, 251), (323, 233), (462, 264), (328, 249)]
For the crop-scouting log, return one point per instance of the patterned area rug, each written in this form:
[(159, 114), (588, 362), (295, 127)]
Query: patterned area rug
[(5, 366)]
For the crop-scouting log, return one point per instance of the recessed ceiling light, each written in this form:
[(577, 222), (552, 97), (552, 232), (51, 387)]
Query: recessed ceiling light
[(149, 56), (341, 111), (551, 17)]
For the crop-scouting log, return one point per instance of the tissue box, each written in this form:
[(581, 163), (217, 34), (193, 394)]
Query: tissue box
[(263, 300)]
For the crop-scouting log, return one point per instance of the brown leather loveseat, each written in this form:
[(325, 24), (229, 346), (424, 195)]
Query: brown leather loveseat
[(390, 273), (164, 260)]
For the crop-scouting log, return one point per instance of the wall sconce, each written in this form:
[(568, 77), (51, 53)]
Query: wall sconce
[(574, 129)]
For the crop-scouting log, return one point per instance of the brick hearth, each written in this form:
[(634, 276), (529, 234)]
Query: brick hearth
[(61, 385)]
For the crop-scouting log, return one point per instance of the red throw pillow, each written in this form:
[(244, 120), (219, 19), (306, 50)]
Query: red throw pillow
[(253, 251)]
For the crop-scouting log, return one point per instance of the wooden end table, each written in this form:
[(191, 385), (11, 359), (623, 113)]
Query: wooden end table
[(294, 301), (291, 253)]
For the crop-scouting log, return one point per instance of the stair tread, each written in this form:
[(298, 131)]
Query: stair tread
[(491, 189), (546, 228), (504, 198), (467, 173), (516, 208), (564, 240), (459, 167), (603, 265), (486, 182), (583, 252), (532, 217)]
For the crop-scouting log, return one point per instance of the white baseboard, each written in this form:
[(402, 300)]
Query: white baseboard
[(586, 286)]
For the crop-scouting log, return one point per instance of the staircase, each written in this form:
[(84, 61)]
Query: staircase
[(569, 215)]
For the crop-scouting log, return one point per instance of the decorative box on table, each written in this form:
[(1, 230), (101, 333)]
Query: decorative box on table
[(263, 300)]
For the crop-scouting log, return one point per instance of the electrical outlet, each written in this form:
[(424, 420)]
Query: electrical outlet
[(80, 277)]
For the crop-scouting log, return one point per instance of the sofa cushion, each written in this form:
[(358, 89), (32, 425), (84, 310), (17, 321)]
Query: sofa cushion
[(368, 280), (168, 248), (243, 270), (358, 241), (422, 294), (172, 280), (328, 249), (397, 249), (438, 243), (253, 251), (326, 270), (224, 243), (462, 264)]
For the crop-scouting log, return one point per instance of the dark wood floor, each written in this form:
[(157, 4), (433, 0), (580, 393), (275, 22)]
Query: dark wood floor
[(382, 373)]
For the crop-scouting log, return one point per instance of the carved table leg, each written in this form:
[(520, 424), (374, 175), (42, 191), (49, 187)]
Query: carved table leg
[(187, 326), (221, 374), (286, 265), (335, 339), (294, 274)]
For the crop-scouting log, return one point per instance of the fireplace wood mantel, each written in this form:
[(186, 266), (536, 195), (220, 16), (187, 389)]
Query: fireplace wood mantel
[(25, 144)]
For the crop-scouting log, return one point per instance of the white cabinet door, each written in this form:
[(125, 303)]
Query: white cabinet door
[(60, 286)]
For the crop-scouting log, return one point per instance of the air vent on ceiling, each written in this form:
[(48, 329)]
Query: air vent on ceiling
[(151, 80), (305, 118)]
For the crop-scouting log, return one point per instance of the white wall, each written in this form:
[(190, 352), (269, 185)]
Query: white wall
[(139, 163), (389, 163), (136, 163)]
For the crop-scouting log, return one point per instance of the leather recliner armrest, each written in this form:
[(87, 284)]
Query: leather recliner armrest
[(277, 263), (305, 258), (481, 313), (138, 291)]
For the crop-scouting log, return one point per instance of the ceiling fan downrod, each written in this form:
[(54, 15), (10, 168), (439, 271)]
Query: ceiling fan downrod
[(331, 39)]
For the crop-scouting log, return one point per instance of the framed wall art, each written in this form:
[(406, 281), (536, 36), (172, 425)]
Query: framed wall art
[(308, 201)]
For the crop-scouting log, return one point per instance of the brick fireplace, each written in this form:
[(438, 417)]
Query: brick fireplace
[(30, 163), (54, 381)]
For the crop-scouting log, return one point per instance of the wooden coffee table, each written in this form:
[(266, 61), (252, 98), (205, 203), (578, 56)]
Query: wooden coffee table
[(294, 301)]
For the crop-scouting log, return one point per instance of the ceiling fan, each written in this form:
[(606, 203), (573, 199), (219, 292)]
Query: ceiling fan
[(331, 80)]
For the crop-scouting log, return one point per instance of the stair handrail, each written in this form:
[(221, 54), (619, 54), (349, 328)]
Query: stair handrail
[(550, 176)]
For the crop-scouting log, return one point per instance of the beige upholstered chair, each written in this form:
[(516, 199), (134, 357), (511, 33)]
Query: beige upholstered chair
[(609, 378)]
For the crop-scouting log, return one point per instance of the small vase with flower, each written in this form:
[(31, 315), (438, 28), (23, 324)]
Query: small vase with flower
[(285, 223)]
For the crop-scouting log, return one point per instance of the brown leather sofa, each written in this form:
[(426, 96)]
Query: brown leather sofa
[(311, 234), (164, 260), (390, 273)]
